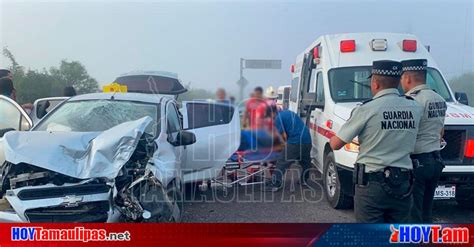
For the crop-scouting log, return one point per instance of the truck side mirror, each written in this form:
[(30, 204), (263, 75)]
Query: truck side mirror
[(461, 97), (185, 138)]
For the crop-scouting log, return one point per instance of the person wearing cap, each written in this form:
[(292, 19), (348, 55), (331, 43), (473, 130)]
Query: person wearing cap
[(386, 128), (270, 97), (426, 157)]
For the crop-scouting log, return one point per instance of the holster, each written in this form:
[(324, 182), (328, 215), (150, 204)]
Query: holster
[(416, 163), (358, 176), (394, 181), (420, 160), (438, 158), (397, 183)]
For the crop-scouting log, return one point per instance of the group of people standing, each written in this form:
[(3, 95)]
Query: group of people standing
[(399, 161), (285, 127)]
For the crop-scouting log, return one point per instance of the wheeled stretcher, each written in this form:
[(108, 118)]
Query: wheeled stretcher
[(251, 164)]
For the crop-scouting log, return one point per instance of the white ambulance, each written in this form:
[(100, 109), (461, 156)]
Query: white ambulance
[(330, 78), (283, 99)]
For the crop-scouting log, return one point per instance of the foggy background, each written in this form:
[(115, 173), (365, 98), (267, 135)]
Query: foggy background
[(203, 41)]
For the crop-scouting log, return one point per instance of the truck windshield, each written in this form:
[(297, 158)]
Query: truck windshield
[(351, 84)]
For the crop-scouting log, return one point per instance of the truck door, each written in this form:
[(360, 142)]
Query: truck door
[(13, 117), (305, 96), (318, 117), (217, 130)]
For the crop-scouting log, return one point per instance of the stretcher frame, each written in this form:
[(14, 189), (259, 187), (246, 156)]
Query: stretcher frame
[(240, 169)]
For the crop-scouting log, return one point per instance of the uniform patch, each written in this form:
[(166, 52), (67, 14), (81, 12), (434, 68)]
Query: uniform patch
[(437, 109), (398, 120)]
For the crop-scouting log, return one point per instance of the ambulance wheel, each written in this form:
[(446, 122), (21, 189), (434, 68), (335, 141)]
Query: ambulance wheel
[(332, 186)]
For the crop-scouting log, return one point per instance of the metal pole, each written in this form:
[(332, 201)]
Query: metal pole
[(241, 80)]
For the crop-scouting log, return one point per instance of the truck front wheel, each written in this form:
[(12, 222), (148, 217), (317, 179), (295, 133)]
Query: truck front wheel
[(332, 185)]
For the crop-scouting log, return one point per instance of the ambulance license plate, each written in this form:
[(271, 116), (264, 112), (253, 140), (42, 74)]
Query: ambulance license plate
[(445, 192)]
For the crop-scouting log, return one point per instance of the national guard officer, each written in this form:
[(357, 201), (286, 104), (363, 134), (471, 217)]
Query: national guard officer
[(427, 161), (386, 127)]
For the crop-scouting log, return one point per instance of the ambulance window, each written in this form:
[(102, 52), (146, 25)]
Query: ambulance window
[(294, 89), (436, 82), (319, 87), (312, 82), (350, 84)]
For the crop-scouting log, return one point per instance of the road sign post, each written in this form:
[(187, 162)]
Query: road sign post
[(254, 64)]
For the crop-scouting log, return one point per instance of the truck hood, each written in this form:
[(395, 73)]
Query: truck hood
[(343, 110), (459, 114), (76, 154)]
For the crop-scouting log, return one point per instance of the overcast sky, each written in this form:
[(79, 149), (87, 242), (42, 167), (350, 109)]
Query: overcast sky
[(203, 41)]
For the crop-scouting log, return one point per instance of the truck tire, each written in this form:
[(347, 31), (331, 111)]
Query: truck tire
[(332, 186), (154, 200)]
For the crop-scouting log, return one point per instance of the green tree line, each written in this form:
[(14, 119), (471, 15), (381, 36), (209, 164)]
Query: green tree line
[(31, 84), (34, 84)]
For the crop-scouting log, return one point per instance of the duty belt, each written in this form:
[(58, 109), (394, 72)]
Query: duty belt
[(396, 182), (380, 175), (434, 154)]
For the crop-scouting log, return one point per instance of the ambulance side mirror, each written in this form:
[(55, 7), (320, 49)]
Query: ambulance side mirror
[(461, 97)]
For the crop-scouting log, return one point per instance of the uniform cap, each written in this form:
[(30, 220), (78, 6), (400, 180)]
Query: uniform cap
[(387, 68), (414, 65)]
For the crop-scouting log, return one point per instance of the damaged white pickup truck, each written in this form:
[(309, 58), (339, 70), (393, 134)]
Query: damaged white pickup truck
[(107, 157)]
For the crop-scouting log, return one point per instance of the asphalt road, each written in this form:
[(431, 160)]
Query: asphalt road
[(296, 204)]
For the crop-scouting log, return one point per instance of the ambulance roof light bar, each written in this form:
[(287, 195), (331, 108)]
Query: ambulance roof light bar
[(409, 45), (348, 45), (378, 44)]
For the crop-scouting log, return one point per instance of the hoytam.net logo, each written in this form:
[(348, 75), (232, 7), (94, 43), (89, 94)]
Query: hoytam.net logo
[(429, 234), (71, 234)]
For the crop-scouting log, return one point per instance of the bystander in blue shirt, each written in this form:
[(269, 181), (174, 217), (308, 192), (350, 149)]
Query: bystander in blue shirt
[(291, 124)]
